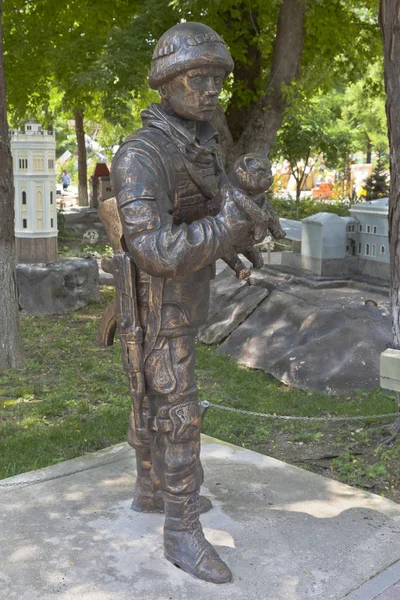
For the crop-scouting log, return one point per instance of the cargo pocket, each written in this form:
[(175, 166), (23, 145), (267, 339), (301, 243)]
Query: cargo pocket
[(160, 377)]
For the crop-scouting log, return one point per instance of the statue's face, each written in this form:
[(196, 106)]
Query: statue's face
[(193, 95)]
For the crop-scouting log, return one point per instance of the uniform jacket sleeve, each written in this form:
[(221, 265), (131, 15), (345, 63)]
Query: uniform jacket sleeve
[(155, 243)]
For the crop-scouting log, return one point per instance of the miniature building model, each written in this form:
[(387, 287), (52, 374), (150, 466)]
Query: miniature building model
[(34, 156), (369, 235), (105, 189), (324, 190), (100, 185), (335, 246), (323, 245)]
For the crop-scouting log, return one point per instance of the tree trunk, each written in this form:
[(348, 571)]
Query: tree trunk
[(299, 184), (82, 163), (247, 71), (390, 25), (389, 19), (266, 118), (11, 355), (297, 202)]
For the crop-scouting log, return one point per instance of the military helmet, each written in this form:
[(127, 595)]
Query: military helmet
[(187, 46)]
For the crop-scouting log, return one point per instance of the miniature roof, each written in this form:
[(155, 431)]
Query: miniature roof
[(351, 219), (379, 205), (101, 170), (292, 229), (323, 217)]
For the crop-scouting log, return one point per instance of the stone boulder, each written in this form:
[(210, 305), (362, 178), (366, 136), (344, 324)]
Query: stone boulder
[(316, 339), (231, 302), (57, 287), (82, 220)]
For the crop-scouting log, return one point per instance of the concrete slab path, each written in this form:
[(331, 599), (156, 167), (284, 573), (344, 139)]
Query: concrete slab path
[(287, 534)]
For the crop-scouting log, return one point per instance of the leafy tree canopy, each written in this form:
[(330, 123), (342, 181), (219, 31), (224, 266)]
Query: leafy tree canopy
[(341, 40), (94, 55), (53, 52)]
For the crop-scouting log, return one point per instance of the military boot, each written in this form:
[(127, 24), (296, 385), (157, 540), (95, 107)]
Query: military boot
[(146, 495), (184, 543)]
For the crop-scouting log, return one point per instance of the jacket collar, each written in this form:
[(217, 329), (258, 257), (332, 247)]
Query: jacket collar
[(155, 116)]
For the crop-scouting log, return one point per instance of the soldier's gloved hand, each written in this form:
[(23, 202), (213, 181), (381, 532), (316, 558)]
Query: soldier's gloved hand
[(236, 221)]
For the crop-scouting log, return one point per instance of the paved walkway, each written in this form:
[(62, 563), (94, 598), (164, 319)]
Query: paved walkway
[(287, 534), (68, 199)]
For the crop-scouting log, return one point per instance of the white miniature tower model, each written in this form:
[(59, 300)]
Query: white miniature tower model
[(34, 156)]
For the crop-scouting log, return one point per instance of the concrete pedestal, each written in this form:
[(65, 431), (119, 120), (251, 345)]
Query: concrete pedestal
[(286, 534), (36, 250)]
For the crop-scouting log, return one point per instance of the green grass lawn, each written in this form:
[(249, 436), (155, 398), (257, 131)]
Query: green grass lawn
[(72, 399)]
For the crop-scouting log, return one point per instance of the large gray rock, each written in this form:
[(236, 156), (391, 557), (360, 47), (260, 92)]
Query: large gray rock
[(57, 287), (325, 339), (223, 288), (233, 313), (81, 220), (231, 302)]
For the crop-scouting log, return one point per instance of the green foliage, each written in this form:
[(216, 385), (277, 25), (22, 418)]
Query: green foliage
[(73, 398), (362, 110), (309, 207), (73, 245), (305, 135), (95, 55), (314, 128), (354, 470), (53, 53), (65, 135), (342, 41), (286, 207)]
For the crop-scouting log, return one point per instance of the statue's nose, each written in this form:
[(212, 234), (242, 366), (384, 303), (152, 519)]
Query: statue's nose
[(211, 89)]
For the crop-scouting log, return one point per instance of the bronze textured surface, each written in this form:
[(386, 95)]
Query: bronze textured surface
[(179, 213)]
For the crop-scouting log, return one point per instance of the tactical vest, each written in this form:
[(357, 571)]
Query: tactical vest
[(193, 188), (193, 192)]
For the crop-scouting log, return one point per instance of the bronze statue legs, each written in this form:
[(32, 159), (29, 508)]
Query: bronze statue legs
[(147, 496), (174, 431)]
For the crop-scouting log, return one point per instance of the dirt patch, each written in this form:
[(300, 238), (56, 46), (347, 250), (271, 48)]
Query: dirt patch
[(355, 455)]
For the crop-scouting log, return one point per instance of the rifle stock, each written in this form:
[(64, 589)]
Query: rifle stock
[(108, 326), (108, 213)]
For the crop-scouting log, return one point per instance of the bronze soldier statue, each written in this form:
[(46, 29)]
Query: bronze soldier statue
[(178, 215)]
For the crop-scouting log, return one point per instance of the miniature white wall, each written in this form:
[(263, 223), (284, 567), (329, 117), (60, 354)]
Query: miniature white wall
[(373, 232), (323, 236)]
